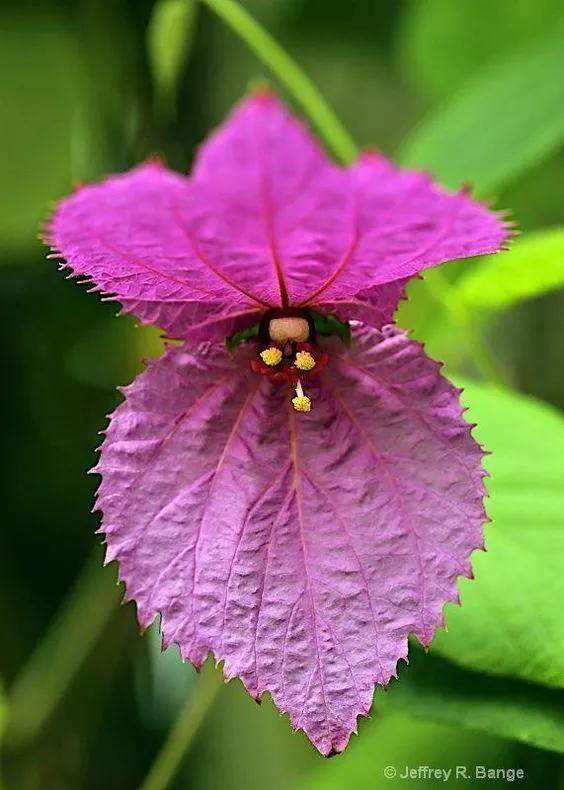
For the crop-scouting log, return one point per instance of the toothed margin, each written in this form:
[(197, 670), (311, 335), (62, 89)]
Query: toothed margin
[(387, 331)]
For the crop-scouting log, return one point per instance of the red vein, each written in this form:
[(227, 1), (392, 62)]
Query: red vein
[(210, 264), (397, 493), (443, 231), (343, 262), (296, 485), (267, 218), (392, 390), (215, 474), (343, 524)]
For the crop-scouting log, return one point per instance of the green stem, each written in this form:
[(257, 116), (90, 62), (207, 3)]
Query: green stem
[(267, 49), (55, 662), (197, 705)]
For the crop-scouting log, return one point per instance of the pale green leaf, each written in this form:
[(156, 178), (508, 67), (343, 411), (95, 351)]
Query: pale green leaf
[(169, 38), (60, 653), (512, 621), (43, 96), (428, 716), (442, 43), (506, 120), (533, 266), (392, 742), (436, 690), (169, 683)]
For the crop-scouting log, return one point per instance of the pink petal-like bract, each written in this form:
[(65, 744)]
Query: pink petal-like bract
[(301, 549), (265, 220)]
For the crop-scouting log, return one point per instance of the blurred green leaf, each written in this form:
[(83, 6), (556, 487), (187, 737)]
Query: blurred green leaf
[(53, 665), (436, 690), (171, 680), (511, 621), (533, 266), (442, 43), (399, 741), (169, 39), (506, 120), (43, 100), (450, 703), (179, 739), (2, 713), (111, 352)]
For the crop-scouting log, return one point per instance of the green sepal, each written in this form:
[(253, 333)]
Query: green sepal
[(330, 325), (237, 338)]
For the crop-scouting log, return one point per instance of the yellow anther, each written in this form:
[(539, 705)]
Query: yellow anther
[(304, 360), (301, 403), (271, 356)]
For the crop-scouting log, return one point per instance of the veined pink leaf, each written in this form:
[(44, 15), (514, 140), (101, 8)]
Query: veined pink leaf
[(300, 549), (266, 220), (127, 236), (335, 233)]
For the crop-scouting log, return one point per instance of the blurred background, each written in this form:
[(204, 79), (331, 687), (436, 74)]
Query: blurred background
[(471, 89)]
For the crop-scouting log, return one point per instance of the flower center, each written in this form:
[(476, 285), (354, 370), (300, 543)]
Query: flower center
[(286, 347), (287, 351), (291, 328)]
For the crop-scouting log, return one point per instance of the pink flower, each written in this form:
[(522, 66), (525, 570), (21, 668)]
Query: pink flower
[(297, 508)]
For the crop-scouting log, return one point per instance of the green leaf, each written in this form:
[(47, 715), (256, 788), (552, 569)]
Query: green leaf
[(44, 97), (442, 43), (166, 686), (533, 266), (506, 120), (240, 337), (63, 648), (428, 718), (169, 38), (328, 325), (512, 621), (436, 690), (398, 740)]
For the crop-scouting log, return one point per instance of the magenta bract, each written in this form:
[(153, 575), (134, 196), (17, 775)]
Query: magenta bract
[(300, 547)]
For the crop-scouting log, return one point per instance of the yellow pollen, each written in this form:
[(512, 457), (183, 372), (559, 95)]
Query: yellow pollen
[(301, 403), (304, 360), (271, 356)]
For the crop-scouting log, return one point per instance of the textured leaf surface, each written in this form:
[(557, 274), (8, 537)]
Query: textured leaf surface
[(128, 236), (300, 550), (266, 220), (474, 136), (533, 266), (511, 621)]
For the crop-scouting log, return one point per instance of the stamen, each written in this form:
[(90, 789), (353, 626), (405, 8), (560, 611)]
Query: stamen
[(304, 360), (301, 402), (271, 356)]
